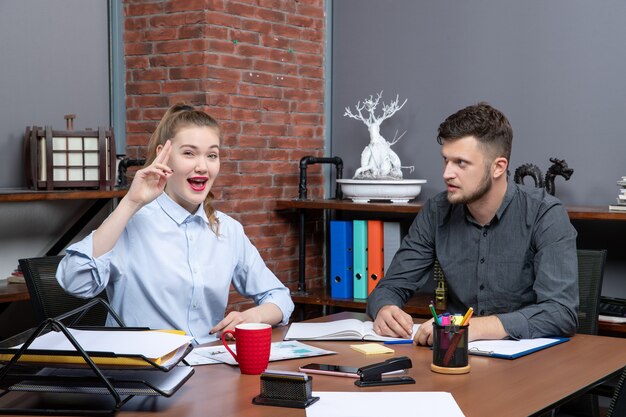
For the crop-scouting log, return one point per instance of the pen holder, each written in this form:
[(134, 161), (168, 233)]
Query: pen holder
[(450, 354)]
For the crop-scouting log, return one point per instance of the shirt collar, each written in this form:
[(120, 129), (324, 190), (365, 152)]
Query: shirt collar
[(511, 189), (177, 212)]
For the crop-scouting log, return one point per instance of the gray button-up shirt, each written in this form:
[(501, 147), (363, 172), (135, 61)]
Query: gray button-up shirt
[(522, 266)]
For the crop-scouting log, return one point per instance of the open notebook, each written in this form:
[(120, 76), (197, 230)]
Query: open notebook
[(348, 329)]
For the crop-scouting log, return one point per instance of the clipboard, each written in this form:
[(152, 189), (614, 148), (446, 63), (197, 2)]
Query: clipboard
[(512, 349)]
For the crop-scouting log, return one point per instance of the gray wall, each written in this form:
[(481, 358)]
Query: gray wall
[(556, 68), (54, 61)]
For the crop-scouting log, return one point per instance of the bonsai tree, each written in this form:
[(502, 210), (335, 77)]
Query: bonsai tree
[(378, 161)]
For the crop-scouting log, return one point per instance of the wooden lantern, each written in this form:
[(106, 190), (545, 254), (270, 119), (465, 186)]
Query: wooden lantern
[(56, 159)]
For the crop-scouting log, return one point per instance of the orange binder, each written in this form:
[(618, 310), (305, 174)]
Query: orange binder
[(375, 254)]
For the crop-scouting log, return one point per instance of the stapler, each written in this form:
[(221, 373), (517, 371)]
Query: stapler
[(372, 375)]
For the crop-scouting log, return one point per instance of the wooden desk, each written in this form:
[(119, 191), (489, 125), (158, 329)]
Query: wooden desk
[(13, 292), (494, 387)]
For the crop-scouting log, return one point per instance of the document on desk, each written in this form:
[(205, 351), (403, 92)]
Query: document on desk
[(376, 404), (150, 344), (512, 349), (210, 355)]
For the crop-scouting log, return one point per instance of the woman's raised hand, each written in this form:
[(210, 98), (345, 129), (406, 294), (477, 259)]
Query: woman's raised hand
[(149, 182)]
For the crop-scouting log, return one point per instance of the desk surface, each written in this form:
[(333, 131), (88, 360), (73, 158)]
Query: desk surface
[(494, 387)]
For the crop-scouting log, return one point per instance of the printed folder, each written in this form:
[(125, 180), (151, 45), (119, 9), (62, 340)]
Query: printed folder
[(359, 244), (341, 258)]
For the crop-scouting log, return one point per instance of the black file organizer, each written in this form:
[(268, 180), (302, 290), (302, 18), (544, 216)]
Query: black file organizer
[(88, 378)]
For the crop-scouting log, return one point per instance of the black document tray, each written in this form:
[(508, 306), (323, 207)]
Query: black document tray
[(87, 377)]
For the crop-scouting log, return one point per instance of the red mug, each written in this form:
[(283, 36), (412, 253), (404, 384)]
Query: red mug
[(253, 342)]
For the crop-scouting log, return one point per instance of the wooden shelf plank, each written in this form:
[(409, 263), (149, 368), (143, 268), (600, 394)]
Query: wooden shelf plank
[(574, 212), (417, 305), (19, 195)]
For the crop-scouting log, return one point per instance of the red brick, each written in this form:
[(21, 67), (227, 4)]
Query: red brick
[(160, 34), (272, 130), (223, 19), (219, 86), (133, 62), (270, 15), (244, 102), (144, 9), (169, 47), (260, 91), (143, 88), (256, 26), (224, 73), (137, 48), (244, 37), (313, 72), (180, 85), (151, 101), (184, 6), (253, 51), (252, 141), (189, 31), (186, 73), (223, 46), (292, 32), (232, 61), (171, 60)]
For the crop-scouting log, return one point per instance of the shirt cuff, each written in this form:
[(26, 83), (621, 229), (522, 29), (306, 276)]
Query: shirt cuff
[(283, 301), (515, 324)]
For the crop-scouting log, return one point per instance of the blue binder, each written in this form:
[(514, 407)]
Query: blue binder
[(341, 258), (359, 233)]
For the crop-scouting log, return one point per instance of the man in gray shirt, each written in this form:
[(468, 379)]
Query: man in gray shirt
[(508, 251)]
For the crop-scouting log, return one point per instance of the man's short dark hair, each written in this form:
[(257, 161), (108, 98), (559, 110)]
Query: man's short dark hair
[(487, 124)]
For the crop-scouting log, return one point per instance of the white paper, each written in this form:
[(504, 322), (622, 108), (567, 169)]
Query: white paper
[(151, 344), (508, 347), (279, 351), (376, 404)]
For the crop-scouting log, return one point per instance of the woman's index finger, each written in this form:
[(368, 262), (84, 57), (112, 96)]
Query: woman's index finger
[(164, 155)]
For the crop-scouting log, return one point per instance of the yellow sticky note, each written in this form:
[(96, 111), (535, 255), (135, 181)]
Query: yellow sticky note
[(372, 348)]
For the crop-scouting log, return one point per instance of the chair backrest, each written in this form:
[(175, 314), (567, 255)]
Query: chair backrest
[(590, 275), (617, 407), (49, 299)]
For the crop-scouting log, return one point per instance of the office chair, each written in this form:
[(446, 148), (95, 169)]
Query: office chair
[(49, 299), (590, 276), (618, 402)]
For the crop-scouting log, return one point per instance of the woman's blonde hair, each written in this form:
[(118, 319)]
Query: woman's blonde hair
[(178, 116)]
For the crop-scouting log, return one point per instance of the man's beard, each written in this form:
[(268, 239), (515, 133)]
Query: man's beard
[(477, 194)]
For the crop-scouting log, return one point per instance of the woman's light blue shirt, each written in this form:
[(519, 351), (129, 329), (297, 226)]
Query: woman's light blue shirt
[(169, 270)]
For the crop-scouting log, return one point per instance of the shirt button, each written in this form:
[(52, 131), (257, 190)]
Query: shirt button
[(485, 233), (194, 270), (481, 313), (191, 238), (482, 287), (482, 260)]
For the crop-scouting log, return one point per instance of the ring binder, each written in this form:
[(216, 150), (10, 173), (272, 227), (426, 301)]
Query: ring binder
[(84, 375)]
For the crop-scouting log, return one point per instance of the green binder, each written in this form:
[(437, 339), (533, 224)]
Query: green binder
[(359, 230)]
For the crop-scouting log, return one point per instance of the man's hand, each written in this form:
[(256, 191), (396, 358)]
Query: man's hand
[(424, 335), (392, 321)]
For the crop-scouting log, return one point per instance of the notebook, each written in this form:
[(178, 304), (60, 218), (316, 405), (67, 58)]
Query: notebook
[(348, 329)]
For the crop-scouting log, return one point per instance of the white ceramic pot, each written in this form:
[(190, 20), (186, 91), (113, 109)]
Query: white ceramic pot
[(362, 191)]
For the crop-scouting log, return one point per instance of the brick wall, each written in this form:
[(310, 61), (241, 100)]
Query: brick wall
[(257, 67)]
